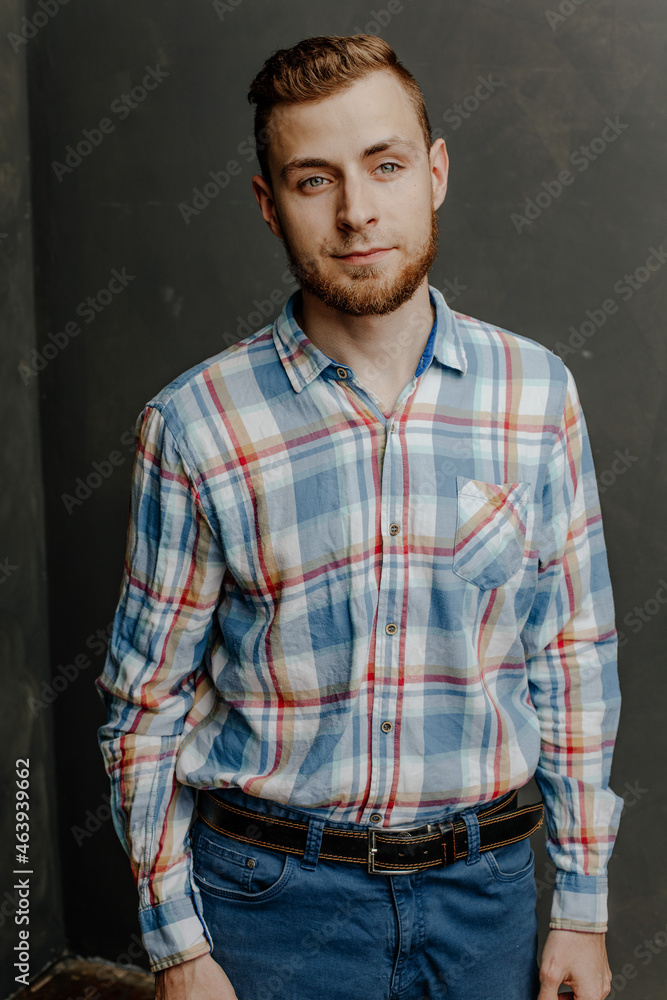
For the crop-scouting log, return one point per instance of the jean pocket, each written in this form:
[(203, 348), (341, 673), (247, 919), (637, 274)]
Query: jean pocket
[(511, 861), (225, 866), (491, 523)]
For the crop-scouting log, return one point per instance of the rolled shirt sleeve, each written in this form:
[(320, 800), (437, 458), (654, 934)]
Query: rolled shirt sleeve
[(156, 689), (571, 648)]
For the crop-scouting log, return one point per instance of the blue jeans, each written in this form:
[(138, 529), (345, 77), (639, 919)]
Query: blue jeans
[(292, 928)]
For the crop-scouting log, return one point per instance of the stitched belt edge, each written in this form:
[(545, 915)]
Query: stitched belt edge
[(438, 844)]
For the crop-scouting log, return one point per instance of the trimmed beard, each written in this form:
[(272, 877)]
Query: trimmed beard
[(367, 294)]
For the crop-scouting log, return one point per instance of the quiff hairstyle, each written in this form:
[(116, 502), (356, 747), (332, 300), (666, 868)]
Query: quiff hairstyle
[(317, 68)]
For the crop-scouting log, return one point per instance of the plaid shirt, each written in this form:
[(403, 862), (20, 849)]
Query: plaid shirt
[(301, 569)]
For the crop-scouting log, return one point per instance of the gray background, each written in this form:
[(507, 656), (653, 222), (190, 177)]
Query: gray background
[(194, 283)]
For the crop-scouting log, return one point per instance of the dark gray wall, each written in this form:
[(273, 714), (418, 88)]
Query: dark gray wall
[(555, 80), (27, 733)]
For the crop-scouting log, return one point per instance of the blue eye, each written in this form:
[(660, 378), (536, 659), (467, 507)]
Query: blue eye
[(317, 177)]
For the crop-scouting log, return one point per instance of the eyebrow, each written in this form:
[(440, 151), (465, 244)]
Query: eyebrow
[(300, 162)]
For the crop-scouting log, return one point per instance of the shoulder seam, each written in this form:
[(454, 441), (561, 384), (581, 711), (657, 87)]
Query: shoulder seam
[(494, 328), (168, 391)]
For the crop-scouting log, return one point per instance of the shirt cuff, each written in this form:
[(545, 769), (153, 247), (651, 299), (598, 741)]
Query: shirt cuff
[(174, 932), (579, 903)]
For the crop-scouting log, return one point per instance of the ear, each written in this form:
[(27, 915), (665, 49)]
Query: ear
[(439, 161), (267, 205)]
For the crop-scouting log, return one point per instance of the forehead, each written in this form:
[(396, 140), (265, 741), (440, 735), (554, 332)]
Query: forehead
[(370, 108)]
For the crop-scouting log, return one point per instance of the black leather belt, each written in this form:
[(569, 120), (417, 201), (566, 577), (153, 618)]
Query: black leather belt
[(382, 851)]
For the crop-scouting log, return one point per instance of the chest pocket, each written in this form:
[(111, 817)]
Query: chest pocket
[(490, 531)]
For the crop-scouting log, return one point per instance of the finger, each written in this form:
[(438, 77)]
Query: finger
[(548, 990)]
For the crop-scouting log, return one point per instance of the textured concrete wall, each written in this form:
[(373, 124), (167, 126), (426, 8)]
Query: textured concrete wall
[(27, 733), (523, 93)]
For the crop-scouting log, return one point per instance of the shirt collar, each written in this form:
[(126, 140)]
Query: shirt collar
[(303, 361)]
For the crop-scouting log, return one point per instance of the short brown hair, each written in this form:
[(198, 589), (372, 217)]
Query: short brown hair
[(318, 67)]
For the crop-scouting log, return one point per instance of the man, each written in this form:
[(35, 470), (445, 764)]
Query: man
[(365, 599)]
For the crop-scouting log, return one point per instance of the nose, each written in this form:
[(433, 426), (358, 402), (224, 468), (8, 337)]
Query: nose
[(357, 208)]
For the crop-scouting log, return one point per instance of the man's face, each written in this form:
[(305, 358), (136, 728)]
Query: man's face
[(334, 193)]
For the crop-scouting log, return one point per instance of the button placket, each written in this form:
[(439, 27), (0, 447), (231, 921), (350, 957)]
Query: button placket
[(388, 644)]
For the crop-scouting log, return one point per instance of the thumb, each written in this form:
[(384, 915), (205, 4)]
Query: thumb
[(549, 989)]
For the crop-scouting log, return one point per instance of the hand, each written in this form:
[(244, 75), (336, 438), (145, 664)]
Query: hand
[(199, 979), (577, 959)]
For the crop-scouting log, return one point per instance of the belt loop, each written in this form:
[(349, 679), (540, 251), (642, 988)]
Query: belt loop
[(469, 817), (313, 843)]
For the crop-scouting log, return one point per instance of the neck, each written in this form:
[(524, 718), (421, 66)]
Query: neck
[(377, 348)]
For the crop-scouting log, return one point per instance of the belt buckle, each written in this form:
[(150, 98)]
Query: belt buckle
[(372, 851)]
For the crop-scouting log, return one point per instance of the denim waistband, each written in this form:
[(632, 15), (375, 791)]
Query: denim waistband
[(236, 796)]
